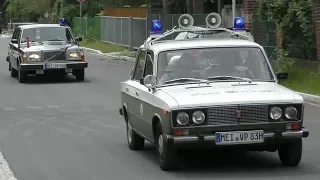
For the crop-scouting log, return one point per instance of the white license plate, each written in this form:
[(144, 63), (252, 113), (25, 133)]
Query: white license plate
[(239, 137), (55, 66)]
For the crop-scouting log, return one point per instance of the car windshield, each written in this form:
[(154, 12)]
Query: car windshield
[(213, 64), (41, 34)]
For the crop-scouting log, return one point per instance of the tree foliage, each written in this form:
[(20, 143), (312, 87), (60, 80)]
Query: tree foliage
[(295, 20)]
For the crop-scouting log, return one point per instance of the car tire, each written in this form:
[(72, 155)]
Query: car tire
[(13, 72), (80, 75), (290, 154), (22, 75), (135, 141), (166, 153)]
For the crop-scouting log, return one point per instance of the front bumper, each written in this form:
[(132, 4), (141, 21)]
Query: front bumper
[(269, 138), (42, 65)]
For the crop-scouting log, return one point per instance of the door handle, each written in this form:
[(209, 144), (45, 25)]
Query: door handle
[(127, 89), (137, 94)]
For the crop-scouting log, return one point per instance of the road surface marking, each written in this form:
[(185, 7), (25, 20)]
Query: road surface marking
[(10, 109), (5, 172), (34, 107), (54, 106)]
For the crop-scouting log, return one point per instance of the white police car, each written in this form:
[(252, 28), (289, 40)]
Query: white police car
[(234, 102)]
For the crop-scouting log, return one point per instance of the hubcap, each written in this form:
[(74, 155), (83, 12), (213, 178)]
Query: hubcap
[(160, 145), (129, 133)]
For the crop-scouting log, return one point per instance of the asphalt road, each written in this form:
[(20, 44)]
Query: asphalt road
[(51, 130)]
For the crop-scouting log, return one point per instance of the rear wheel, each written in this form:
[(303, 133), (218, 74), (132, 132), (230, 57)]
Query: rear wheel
[(135, 141)]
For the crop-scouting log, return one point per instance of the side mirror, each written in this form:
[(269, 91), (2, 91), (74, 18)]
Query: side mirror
[(283, 76), (150, 81), (79, 39), (14, 41)]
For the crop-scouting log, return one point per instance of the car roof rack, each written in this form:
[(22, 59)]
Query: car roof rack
[(186, 21)]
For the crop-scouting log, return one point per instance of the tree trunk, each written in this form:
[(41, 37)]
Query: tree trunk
[(165, 6), (198, 6), (189, 6)]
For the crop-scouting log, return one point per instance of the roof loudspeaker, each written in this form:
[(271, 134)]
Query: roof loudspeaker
[(213, 20), (185, 21)]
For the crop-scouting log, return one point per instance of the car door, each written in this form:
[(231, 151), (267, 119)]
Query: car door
[(132, 89), (147, 106), (14, 48)]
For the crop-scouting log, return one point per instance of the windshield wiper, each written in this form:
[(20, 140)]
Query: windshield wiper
[(185, 80), (55, 40), (228, 78), (33, 42)]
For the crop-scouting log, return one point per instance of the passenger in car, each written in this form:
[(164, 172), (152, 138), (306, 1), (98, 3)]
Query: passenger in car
[(181, 68)]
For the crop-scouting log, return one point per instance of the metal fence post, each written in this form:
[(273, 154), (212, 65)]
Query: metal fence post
[(114, 30), (101, 29), (130, 33), (121, 31), (86, 27)]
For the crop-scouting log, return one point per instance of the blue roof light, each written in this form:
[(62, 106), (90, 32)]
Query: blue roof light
[(239, 23), (63, 22), (156, 27)]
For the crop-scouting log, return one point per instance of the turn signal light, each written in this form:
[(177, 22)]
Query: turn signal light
[(24, 58), (294, 126), (181, 132), (82, 55)]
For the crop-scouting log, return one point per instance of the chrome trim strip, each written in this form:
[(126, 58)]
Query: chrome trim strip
[(186, 139), (41, 63)]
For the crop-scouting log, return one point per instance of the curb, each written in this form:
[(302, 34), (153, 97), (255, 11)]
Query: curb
[(310, 98), (114, 57)]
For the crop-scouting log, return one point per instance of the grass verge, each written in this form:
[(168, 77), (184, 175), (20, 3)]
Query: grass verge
[(103, 47), (303, 80)]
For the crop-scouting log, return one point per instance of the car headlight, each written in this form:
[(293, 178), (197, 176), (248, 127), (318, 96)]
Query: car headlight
[(198, 117), (34, 57), (275, 113), (291, 112), (182, 118), (73, 55)]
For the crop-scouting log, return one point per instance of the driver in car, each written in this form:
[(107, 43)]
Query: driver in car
[(230, 65)]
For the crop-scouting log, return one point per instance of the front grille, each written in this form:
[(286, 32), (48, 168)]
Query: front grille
[(60, 55), (227, 115)]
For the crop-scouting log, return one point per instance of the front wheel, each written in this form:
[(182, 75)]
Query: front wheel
[(166, 153), (22, 75), (13, 72), (290, 154), (80, 75)]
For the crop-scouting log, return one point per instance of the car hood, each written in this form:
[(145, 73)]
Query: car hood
[(192, 95)]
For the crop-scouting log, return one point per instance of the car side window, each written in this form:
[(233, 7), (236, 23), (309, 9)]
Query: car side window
[(140, 63), (149, 66), (14, 35), (18, 35)]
